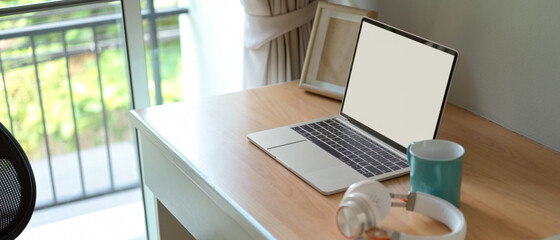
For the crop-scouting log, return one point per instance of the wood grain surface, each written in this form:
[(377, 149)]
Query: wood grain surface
[(510, 186)]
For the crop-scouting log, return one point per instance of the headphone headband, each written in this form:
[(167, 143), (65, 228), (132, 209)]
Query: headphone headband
[(440, 210)]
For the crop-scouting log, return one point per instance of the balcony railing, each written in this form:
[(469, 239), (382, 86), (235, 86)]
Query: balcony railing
[(78, 166)]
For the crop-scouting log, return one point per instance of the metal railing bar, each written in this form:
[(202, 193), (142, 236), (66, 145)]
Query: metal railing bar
[(163, 36), (164, 12), (154, 53), (6, 95), (78, 23), (45, 136), (71, 93), (103, 109), (56, 55), (51, 12), (59, 26), (45, 6)]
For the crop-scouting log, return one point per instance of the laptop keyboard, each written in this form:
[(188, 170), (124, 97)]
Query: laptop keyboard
[(349, 146)]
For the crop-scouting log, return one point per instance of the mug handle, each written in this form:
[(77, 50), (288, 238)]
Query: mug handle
[(408, 152)]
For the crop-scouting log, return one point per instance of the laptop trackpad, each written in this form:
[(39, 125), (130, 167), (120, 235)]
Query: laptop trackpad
[(318, 168), (275, 137), (304, 157)]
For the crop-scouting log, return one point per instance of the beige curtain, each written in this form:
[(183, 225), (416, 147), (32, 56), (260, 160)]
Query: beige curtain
[(276, 35)]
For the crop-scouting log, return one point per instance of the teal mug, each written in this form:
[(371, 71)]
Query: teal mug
[(435, 168)]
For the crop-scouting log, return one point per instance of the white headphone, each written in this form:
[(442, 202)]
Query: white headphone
[(366, 203)]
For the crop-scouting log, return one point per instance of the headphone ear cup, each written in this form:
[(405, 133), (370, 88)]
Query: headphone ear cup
[(375, 196)]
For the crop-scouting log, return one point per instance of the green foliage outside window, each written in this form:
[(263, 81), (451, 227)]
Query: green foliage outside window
[(21, 86)]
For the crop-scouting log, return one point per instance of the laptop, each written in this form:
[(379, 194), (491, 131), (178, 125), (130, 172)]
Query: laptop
[(395, 94)]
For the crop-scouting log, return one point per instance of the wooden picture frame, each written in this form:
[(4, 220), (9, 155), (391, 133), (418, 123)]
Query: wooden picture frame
[(331, 47)]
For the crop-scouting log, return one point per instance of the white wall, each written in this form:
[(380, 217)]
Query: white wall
[(509, 56), (509, 53)]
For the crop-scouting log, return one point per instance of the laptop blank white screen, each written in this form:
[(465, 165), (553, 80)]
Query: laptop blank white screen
[(397, 85)]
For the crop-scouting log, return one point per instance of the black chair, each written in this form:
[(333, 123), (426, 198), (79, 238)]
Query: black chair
[(17, 187)]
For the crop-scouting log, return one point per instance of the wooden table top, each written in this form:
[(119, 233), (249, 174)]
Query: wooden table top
[(510, 185)]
